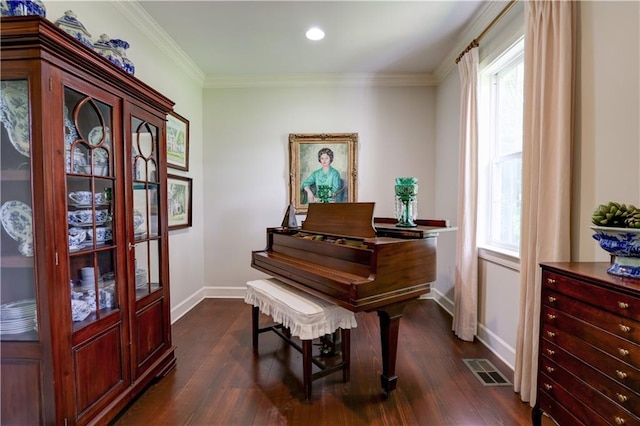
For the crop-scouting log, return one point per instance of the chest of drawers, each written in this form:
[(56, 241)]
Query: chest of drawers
[(589, 352)]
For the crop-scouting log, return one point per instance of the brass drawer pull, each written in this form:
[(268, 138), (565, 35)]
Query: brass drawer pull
[(551, 299), (550, 369), (619, 420), (623, 305), (547, 386), (623, 352), (551, 316), (621, 374), (621, 397), (551, 352), (624, 328), (551, 281), (551, 334)]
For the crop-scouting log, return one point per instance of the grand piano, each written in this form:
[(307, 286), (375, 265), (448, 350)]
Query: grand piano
[(346, 256)]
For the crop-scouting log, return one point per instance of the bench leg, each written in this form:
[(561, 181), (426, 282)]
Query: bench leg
[(346, 354), (307, 353), (255, 324)]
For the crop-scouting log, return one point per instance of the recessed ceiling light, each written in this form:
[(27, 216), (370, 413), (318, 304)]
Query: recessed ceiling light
[(315, 33)]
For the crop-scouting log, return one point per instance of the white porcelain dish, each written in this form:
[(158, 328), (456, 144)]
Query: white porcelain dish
[(14, 113), (16, 220)]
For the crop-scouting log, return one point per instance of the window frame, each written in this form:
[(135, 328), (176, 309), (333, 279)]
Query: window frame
[(489, 247)]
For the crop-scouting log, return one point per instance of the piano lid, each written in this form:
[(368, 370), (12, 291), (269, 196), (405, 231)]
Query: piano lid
[(344, 219)]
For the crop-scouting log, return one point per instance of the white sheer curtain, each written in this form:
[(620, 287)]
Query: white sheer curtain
[(546, 167), (465, 309)]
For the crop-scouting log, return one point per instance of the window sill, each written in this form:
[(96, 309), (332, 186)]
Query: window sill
[(500, 257)]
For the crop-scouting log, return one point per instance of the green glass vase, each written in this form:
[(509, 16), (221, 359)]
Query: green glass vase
[(406, 201)]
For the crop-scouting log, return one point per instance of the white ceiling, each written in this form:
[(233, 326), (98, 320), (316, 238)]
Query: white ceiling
[(267, 37)]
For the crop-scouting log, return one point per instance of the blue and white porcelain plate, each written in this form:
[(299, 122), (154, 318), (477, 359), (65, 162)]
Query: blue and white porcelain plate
[(96, 134), (70, 132), (16, 220), (14, 113), (79, 310)]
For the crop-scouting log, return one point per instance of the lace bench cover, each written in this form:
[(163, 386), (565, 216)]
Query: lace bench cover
[(308, 317)]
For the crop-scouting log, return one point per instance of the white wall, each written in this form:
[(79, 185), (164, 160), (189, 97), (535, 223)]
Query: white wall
[(446, 201), (246, 160), (156, 66), (607, 152)]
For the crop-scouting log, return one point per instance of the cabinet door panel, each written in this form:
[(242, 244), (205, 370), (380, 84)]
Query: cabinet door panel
[(98, 373), (150, 334), (20, 383), (91, 210), (17, 278)]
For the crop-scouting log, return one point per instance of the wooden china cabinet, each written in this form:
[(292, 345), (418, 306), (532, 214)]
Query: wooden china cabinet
[(84, 290)]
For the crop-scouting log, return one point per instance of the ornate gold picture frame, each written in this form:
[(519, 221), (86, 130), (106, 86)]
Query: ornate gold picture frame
[(322, 168)]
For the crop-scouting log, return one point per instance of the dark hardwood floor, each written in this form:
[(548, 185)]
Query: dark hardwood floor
[(218, 381)]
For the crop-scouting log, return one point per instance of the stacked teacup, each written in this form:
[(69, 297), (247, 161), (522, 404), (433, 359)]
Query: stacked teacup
[(88, 278)]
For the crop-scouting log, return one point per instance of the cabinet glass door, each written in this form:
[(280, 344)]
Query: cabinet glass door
[(90, 171), (17, 273), (146, 206)]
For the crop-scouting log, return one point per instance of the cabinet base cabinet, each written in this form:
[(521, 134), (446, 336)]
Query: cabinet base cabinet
[(95, 386), (560, 414), (20, 387), (84, 244), (589, 348), (150, 336), (158, 370)]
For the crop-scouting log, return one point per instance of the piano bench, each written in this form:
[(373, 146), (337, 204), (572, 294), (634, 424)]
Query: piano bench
[(304, 316)]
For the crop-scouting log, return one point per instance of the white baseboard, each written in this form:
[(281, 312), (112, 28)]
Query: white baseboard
[(225, 292), (185, 306), (485, 336), (442, 300), (206, 293)]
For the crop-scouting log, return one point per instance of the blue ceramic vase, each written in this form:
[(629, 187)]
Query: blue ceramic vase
[(22, 8), (105, 48), (70, 24), (121, 46)]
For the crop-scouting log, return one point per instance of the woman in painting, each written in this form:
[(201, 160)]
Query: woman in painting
[(324, 176)]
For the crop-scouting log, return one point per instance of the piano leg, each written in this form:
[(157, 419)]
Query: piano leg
[(389, 326)]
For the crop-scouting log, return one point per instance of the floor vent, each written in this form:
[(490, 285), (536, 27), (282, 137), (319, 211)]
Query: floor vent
[(486, 372)]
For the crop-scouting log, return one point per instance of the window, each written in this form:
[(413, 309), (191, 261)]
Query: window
[(500, 151)]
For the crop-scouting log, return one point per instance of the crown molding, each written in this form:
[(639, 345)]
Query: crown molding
[(318, 80), (147, 25), (132, 11), (480, 21)]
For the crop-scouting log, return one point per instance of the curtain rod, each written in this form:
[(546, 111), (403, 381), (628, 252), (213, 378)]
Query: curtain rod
[(475, 42)]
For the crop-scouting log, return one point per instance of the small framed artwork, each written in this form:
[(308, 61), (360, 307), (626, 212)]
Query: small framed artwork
[(322, 169), (177, 142), (179, 201)]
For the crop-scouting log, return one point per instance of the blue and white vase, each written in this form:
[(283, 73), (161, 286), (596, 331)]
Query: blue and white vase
[(105, 48), (22, 8), (121, 46), (70, 24)]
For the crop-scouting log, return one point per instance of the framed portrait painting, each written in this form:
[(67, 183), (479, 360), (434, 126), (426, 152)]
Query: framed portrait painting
[(322, 169), (179, 201), (177, 142)]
